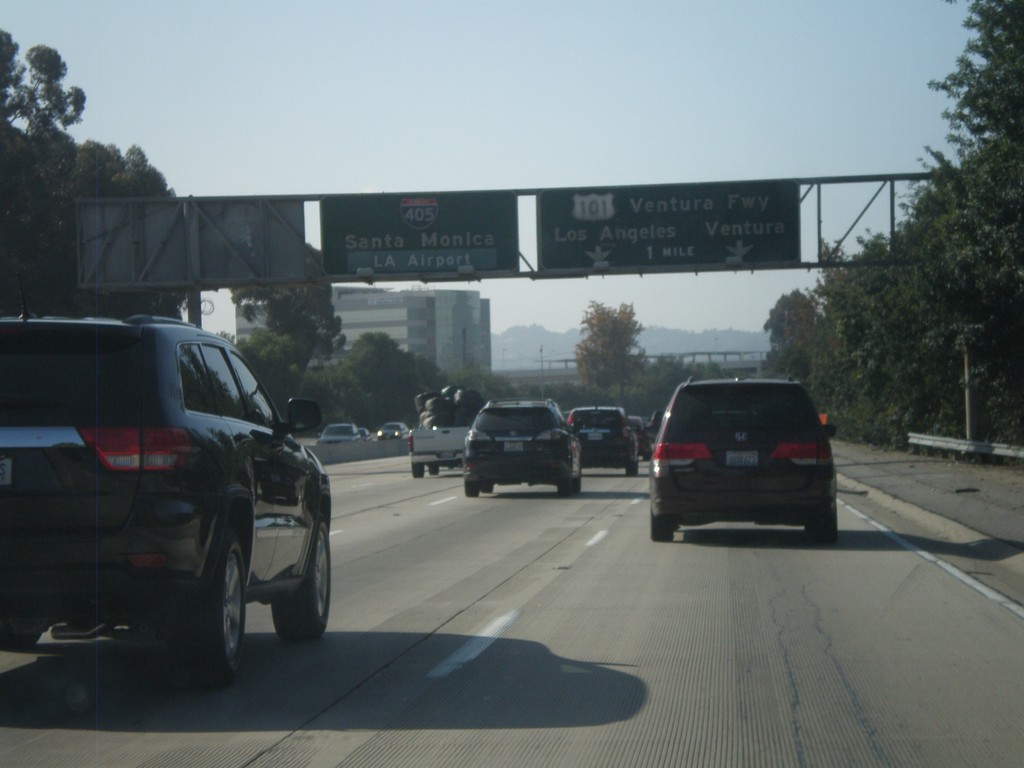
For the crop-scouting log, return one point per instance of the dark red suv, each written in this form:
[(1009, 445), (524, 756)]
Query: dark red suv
[(149, 485), (743, 451), (606, 437)]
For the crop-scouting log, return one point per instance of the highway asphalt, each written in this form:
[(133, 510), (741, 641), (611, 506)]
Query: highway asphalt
[(985, 497)]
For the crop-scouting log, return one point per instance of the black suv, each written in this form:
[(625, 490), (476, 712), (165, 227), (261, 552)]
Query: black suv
[(606, 437), (743, 451), (149, 485), (521, 441)]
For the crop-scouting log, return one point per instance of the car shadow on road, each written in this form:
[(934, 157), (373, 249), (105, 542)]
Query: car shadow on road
[(981, 549), (345, 681)]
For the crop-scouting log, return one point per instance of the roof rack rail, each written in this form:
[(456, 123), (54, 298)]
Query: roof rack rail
[(156, 319)]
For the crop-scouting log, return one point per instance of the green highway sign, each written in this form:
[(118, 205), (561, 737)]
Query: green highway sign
[(667, 227), (443, 235)]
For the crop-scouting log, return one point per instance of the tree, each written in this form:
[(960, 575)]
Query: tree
[(41, 105), (609, 354), (886, 351), (42, 172), (987, 87), (977, 271), (790, 327), (302, 312), (387, 379), (276, 361)]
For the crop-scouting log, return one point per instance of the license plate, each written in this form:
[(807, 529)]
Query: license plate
[(595, 436), (741, 458), (6, 471), (516, 447)]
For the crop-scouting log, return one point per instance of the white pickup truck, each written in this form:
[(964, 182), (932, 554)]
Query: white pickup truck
[(440, 438), (431, 448)]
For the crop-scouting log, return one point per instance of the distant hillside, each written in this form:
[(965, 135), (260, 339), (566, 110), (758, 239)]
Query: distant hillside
[(522, 346)]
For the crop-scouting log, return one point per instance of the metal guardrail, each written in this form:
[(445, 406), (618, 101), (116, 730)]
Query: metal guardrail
[(966, 446), (359, 450)]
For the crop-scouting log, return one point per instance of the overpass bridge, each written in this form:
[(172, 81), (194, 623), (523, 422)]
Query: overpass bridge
[(563, 370)]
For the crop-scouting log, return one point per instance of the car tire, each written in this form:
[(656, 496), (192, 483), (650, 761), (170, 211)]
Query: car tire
[(824, 530), (417, 471), (565, 486), (486, 487), (434, 468), (633, 468), (472, 488), (577, 484), (211, 647), (662, 528), (303, 614)]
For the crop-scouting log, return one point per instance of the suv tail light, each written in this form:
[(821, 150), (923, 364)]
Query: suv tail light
[(804, 454), (129, 449), (668, 455), (681, 451)]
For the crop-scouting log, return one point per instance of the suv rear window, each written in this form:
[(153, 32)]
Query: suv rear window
[(597, 420), (526, 419), (36, 366), (709, 408)]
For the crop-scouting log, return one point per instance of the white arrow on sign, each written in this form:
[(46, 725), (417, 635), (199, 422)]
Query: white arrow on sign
[(737, 252)]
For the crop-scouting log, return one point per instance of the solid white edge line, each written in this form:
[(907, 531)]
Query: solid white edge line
[(597, 538), (442, 501), (475, 645), (952, 570)]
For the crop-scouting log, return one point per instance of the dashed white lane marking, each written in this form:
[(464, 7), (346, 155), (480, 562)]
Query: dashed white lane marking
[(442, 501), (475, 645), (597, 538), (952, 570), (336, 531)]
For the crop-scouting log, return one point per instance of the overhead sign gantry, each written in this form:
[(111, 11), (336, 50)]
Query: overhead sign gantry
[(204, 243)]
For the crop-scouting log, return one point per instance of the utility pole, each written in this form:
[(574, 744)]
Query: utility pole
[(968, 397), (542, 372)]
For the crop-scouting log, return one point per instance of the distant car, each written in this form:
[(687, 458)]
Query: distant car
[(513, 442), (364, 433), (338, 433), (643, 440), (751, 451), (606, 437), (392, 430)]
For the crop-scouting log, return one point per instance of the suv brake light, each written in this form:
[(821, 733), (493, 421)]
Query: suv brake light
[(681, 451), (803, 453), (129, 449)]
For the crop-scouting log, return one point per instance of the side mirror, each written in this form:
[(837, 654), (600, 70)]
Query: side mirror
[(303, 414)]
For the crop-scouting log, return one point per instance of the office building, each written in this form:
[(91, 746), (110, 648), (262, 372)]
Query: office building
[(450, 327)]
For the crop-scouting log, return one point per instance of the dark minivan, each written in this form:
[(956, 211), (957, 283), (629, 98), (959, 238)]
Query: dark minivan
[(751, 451), (149, 485)]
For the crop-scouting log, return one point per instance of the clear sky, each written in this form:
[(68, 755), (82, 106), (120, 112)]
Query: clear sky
[(267, 98)]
